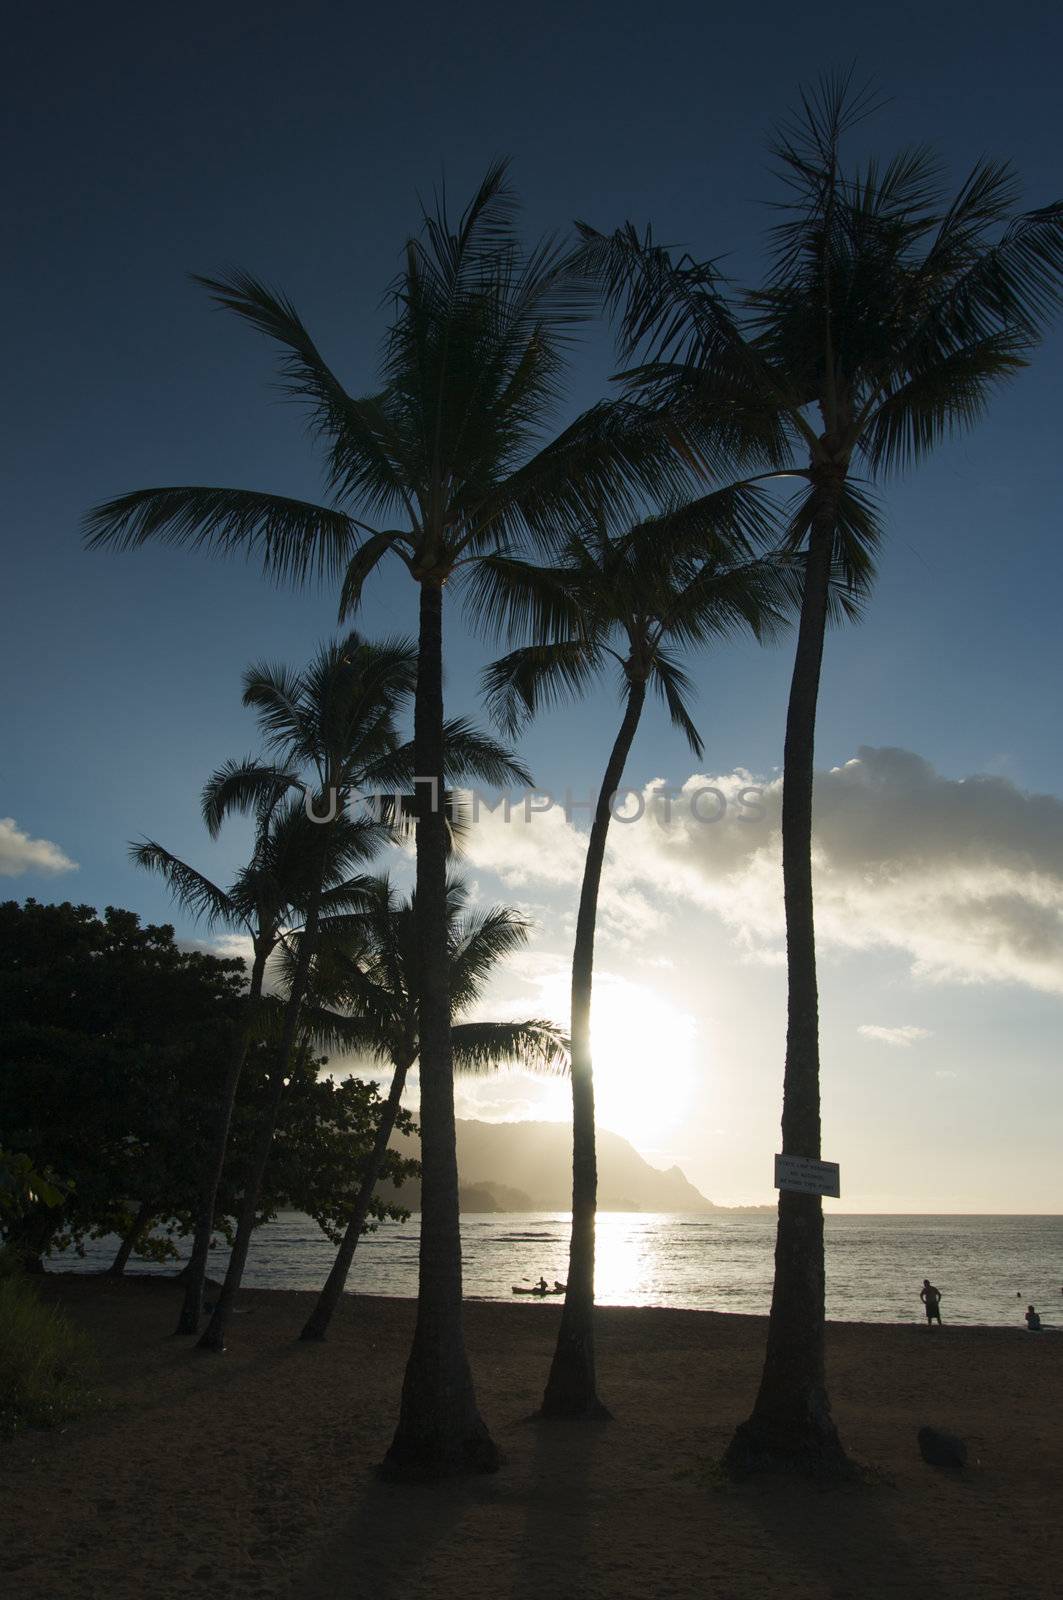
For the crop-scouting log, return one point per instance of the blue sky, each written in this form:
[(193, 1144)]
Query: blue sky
[(295, 141)]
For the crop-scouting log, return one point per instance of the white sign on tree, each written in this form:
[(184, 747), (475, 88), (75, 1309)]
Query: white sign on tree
[(803, 1175)]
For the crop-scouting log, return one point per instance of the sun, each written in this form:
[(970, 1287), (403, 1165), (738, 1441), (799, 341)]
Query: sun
[(643, 1050), (647, 1059)]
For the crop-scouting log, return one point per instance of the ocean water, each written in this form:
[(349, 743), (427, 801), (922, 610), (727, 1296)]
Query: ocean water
[(988, 1268)]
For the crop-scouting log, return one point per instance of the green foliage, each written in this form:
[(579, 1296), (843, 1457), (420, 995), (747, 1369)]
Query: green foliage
[(46, 1365), (323, 1139), (112, 1041), (23, 1188)]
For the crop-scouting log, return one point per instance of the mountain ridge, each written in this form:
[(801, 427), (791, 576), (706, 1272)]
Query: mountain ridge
[(501, 1163)]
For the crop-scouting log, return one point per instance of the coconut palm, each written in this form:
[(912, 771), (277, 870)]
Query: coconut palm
[(630, 601), (370, 970), (331, 730), (892, 311), (447, 459), (267, 897)]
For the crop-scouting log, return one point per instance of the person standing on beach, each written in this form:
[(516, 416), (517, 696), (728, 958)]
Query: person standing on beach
[(931, 1299)]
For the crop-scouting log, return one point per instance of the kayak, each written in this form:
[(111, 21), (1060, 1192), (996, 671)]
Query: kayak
[(542, 1293)]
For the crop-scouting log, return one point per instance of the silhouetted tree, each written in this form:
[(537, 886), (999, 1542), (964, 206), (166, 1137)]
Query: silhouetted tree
[(268, 897), (371, 971), (332, 730), (450, 443), (892, 311), (111, 1040), (632, 601)]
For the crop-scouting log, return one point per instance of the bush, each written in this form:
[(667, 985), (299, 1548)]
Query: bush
[(46, 1364)]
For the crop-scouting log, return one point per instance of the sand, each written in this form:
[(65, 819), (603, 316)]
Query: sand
[(249, 1473)]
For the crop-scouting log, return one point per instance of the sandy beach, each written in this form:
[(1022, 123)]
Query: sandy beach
[(250, 1473)]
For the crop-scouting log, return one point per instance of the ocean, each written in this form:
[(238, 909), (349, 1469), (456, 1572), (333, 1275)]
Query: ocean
[(988, 1268)]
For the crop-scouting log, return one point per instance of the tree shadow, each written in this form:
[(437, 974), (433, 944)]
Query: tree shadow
[(498, 1534), (560, 1507), (840, 1539), (383, 1547)]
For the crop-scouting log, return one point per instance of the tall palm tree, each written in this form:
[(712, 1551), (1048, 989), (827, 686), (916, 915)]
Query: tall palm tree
[(450, 448), (892, 311), (371, 971), (267, 896), (628, 600)]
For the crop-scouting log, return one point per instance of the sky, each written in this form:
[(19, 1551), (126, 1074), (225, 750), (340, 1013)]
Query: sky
[(296, 142)]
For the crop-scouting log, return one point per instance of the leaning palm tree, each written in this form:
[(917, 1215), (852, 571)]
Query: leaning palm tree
[(331, 731), (891, 313), (629, 600), (446, 459), (369, 976), (267, 897)]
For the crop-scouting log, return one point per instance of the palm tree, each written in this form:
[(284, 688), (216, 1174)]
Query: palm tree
[(371, 970), (629, 600), (331, 730), (891, 313), (265, 897), (451, 446)]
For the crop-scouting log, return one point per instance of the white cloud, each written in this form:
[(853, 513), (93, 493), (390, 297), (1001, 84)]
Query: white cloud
[(19, 853), (225, 945), (543, 848), (902, 1037), (963, 876)]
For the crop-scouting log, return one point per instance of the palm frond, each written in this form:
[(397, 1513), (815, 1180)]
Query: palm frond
[(361, 444), (245, 786), (364, 561), (293, 539), (932, 401), (516, 597), (478, 943), (532, 1045), (674, 687), (203, 900), (520, 684)]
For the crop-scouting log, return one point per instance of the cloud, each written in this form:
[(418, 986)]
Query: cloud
[(529, 847), (962, 876), (227, 946), (19, 853), (902, 1037)]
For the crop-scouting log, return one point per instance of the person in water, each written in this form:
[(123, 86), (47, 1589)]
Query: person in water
[(1033, 1321), (931, 1299)]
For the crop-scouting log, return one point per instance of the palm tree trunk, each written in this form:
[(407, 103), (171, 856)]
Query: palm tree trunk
[(192, 1308), (329, 1298), (440, 1430), (214, 1336), (791, 1425), (131, 1239), (571, 1389)]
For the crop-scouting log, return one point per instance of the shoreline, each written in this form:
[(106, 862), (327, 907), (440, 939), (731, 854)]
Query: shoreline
[(168, 1275), (252, 1473), (519, 1302)]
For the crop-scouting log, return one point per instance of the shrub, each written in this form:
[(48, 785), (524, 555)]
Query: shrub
[(46, 1364)]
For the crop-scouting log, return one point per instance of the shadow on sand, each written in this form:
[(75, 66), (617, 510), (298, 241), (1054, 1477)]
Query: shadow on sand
[(497, 1535)]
